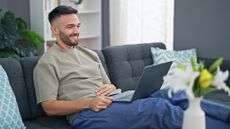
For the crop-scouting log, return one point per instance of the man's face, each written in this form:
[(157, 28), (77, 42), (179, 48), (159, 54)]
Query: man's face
[(67, 39), (68, 29)]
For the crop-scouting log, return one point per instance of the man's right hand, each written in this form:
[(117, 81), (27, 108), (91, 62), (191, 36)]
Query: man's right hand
[(100, 102)]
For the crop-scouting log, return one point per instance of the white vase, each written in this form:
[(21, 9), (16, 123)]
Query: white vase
[(194, 116)]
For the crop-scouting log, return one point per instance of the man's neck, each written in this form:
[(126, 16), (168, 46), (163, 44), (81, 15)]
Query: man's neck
[(63, 45)]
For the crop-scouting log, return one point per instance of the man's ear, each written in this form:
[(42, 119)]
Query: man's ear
[(54, 29)]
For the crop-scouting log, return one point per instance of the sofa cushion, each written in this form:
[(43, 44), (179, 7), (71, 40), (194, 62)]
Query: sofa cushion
[(126, 63), (162, 56), (48, 123), (28, 64), (181, 56), (15, 75), (9, 113)]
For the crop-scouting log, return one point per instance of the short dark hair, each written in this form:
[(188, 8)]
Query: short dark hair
[(61, 10)]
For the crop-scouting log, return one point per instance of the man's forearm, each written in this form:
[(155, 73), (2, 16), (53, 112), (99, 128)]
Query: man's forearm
[(63, 107)]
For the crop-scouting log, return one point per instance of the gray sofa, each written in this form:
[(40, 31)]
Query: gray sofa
[(123, 65)]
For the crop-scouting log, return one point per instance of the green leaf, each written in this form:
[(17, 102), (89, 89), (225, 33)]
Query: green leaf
[(193, 62), (207, 90), (32, 37), (216, 64), (24, 48), (21, 24), (7, 40), (8, 53), (197, 92), (181, 66), (16, 40), (196, 87), (201, 65), (9, 23)]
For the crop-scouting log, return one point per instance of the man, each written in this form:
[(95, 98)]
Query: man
[(70, 80), (60, 65)]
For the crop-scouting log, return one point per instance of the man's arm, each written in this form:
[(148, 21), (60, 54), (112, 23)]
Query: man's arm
[(63, 107)]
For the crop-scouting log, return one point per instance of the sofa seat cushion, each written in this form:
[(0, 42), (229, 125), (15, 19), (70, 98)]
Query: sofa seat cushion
[(47, 123)]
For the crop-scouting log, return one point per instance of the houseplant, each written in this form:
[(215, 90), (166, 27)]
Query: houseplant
[(16, 40), (197, 80)]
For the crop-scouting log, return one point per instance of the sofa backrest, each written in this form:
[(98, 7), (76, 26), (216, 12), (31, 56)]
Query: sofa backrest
[(126, 63), (28, 64), (15, 74)]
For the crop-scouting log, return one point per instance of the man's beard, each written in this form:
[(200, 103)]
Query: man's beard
[(66, 39)]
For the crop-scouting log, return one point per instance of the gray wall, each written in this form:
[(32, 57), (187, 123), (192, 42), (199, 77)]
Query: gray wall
[(204, 25), (19, 7), (105, 24), (200, 24)]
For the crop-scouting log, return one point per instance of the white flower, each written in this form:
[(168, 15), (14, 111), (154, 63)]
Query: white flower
[(196, 80), (219, 80), (182, 79)]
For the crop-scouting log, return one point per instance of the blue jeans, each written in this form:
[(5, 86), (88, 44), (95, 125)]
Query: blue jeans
[(155, 112)]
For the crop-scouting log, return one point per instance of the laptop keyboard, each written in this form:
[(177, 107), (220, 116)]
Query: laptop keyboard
[(124, 96)]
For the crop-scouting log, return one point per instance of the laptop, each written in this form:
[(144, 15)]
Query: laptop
[(149, 82)]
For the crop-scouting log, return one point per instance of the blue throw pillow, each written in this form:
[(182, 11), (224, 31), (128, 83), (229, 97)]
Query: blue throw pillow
[(163, 56), (10, 117)]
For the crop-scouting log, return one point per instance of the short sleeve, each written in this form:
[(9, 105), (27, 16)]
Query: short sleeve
[(46, 82)]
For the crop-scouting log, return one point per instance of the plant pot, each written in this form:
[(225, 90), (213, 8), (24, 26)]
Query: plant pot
[(194, 116)]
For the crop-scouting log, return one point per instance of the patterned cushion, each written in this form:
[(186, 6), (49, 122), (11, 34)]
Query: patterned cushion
[(9, 113), (163, 56)]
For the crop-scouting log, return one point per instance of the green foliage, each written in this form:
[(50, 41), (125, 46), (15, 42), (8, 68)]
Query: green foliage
[(198, 90), (16, 40), (216, 64)]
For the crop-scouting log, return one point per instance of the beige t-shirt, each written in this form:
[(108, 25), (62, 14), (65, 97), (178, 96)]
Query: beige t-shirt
[(68, 74)]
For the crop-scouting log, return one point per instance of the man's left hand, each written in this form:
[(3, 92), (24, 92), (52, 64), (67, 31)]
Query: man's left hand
[(105, 89)]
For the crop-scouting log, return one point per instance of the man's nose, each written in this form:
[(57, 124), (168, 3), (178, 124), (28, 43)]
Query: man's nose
[(76, 30)]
